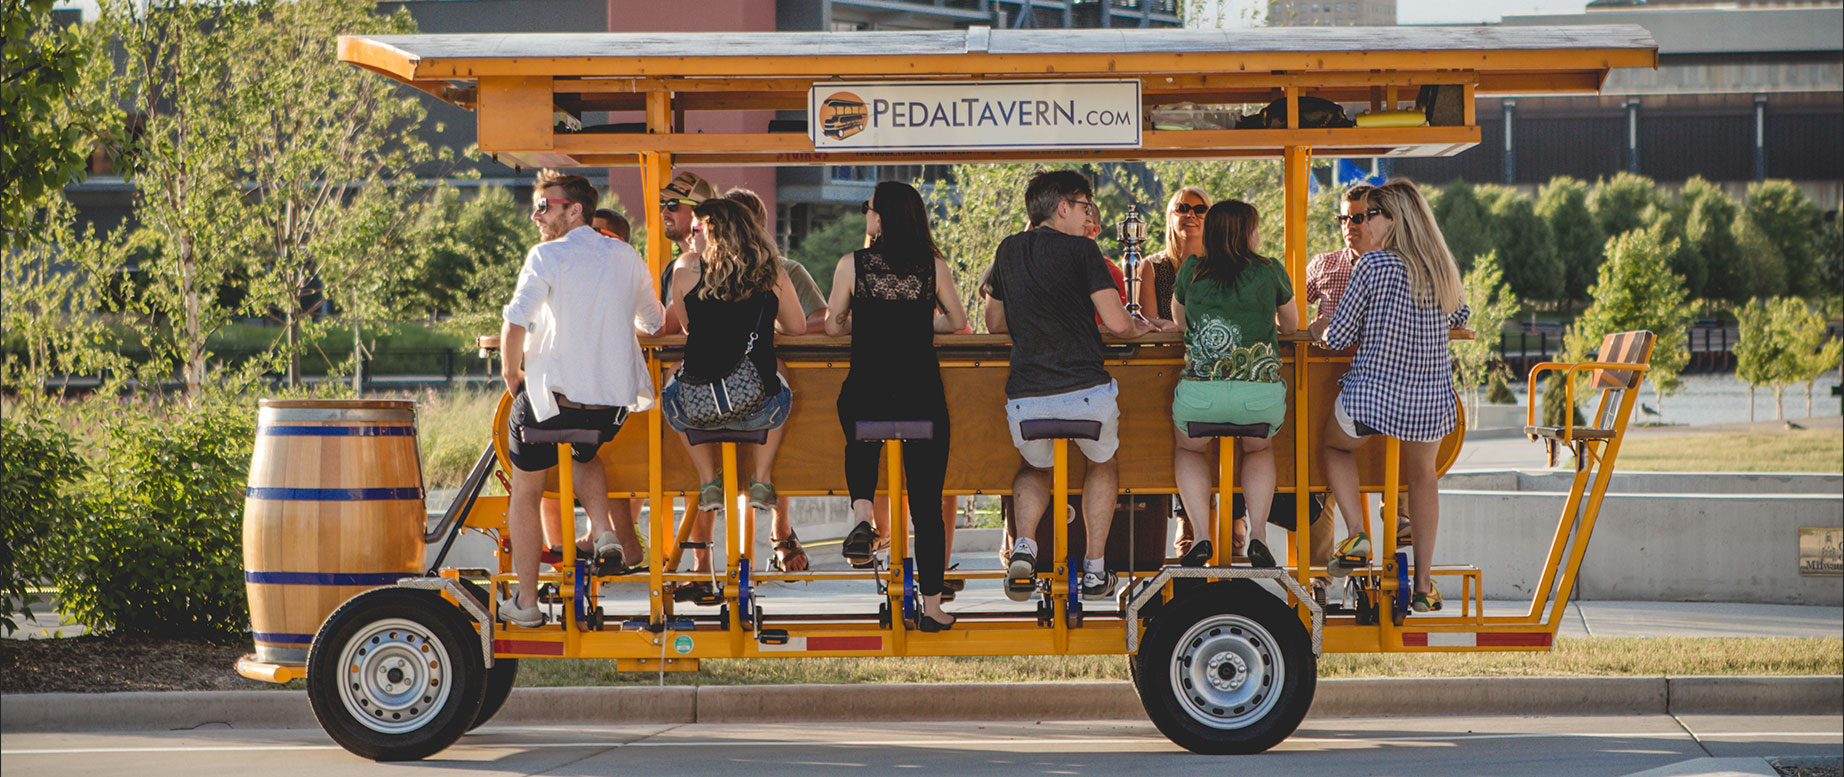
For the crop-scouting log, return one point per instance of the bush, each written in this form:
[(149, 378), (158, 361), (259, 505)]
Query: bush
[(158, 546), (1499, 393), (38, 473)]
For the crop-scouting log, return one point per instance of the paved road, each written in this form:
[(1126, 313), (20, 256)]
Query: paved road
[(1424, 747)]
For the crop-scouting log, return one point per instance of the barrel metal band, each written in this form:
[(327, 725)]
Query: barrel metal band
[(332, 494), (337, 431), (322, 578), (269, 415), (280, 638)]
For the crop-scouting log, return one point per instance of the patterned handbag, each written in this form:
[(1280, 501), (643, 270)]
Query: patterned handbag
[(732, 398)]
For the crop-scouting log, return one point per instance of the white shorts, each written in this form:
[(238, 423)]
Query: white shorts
[(1346, 423), (1090, 404)]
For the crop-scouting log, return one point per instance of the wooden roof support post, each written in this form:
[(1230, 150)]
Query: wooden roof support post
[(1296, 165), (655, 172)]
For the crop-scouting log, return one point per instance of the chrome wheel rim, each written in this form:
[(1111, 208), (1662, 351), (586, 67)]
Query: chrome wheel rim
[(1227, 672), (395, 676)]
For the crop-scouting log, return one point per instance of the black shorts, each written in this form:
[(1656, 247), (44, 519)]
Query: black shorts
[(541, 456)]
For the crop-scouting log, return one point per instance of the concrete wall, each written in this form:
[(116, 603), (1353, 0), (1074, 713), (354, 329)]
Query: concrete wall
[(1647, 547), (1655, 482)]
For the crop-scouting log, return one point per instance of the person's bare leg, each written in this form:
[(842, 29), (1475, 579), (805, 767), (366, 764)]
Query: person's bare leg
[(950, 514), (1257, 468), (704, 460), (763, 456), (880, 516), (591, 485), (1192, 469), (522, 518), (553, 523), (1418, 472), (1030, 498), (627, 529), (1341, 474), (1102, 480), (931, 606)]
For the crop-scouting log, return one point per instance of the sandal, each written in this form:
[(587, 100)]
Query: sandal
[(1351, 555), (795, 555)]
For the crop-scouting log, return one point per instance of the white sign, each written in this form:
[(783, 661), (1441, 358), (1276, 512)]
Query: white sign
[(938, 115)]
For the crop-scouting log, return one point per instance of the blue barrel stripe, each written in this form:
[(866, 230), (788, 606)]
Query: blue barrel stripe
[(325, 578), (285, 639), (332, 494), (337, 431)]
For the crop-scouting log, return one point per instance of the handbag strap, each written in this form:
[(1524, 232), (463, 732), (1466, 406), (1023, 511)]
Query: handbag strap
[(755, 329)]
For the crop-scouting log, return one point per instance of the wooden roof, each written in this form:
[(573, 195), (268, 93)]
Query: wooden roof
[(511, 78)]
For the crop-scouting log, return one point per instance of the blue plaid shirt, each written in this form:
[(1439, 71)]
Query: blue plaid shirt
[(1401, 380)]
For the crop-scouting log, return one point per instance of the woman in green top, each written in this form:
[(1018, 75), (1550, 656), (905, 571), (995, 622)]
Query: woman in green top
[(1234, 304)]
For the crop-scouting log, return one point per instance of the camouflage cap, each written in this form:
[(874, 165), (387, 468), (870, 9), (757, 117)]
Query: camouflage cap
[(689, 187)]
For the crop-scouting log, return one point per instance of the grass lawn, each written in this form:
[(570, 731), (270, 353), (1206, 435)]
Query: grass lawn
[(1647, 657), (1793, 450)]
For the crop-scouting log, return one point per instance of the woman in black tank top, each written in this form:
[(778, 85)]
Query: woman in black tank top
[(737, 290), (885, 297)]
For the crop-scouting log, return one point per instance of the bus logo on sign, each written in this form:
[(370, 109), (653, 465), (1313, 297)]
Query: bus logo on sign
[(944, 116)]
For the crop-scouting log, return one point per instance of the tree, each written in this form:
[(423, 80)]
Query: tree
[(1619, 204), (1789, 221), (1829, 267), (1527, 250), (1709, 227), (1636, 289), (1761, 350), (470, 253), (1563, 203), (985, 205), (1811, 351), (54, 285), (1760, 258), (45, 144), (821, 249), (1492, 303), (1684, 259), (1466, 223)]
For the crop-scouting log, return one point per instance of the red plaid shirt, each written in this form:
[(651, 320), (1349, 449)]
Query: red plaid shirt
[(1326, 277)]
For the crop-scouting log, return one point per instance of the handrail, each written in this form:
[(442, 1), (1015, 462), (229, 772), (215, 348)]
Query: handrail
[(1568, 387)]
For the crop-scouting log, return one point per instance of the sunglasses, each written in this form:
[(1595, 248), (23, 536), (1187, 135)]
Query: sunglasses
[(543, 206), (1358, 218), (1182, 209), (864, 207), (674, 204)]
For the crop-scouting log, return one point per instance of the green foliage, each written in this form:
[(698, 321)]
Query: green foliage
[(984, 207), (1498, 392), (821, 249), (44, 145), (1684, 259), (1527, 250), (1761, 261), (38, 475), (1466, 223), (1637, 290), (1789, 221), (1492, 302), (1563, 203), (159, 546), (1619, 204), (1829, 267), (1709, 228), (55, 283), (470, 253), (1783, 341)]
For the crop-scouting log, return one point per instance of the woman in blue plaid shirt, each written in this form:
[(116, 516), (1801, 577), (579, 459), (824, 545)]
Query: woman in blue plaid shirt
[(1405, 293)]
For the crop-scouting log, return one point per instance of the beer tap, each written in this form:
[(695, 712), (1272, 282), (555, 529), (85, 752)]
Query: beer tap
[(1132, 233)]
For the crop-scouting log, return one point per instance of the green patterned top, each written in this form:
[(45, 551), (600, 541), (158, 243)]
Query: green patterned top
[(1229, 330)]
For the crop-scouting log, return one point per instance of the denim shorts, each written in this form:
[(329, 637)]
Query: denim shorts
[(1089, 404), (772, 414)]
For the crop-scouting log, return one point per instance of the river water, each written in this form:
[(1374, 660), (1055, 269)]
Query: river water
[(1723, 399)]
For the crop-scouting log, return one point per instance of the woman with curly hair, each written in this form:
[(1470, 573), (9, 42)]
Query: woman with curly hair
[(1234, 304)]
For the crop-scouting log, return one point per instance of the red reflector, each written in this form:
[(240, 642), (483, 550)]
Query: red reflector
[(529, 647), (845, 643)]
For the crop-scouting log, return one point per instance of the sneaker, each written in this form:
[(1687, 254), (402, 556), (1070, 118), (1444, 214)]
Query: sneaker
[(1198, 555), (710, 497), (523, 617), (1021, 574), (1259, 557), (762, 495), (1426, 602), (608, 552), (1350, 555), (1098, 586), (857, 545)]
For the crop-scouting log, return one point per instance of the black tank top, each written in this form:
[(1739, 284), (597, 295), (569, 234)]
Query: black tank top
[(894, 369), (717, 331)]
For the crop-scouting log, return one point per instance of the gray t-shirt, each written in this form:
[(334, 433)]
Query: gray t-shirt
[(809, 292), (1045, 277)]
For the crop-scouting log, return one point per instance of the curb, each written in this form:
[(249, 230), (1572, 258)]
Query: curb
[(1112, 700)]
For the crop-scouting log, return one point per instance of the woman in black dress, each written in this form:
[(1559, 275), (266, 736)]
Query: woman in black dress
[(886, 297)]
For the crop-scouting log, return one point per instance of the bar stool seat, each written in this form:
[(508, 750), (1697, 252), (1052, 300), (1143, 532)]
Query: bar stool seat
[(1196, 429), (560, 436), (708, 436), (880, 431), (1059, 429)]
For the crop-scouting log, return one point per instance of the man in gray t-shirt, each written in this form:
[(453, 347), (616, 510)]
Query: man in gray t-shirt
[(1046, 286)]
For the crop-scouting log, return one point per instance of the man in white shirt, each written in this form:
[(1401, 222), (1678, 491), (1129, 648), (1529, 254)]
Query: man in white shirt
[(571, 361)]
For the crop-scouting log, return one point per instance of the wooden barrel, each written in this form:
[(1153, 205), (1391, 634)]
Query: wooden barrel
[(334, 507)]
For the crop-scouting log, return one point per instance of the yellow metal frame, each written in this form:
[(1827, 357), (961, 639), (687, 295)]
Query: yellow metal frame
[(516, 96)]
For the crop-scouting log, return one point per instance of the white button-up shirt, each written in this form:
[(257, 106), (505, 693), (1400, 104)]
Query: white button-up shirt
[(581, 299)]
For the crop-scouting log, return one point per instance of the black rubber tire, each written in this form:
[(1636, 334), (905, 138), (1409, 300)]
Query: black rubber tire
[(500, 678), (1253, 639), (359, 656)]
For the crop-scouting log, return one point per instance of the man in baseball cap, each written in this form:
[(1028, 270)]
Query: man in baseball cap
[(676, 200)]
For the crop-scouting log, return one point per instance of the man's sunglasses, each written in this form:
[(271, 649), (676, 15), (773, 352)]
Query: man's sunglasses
[(1358, 218), (1195, 210), (674, 204), (543, 206)]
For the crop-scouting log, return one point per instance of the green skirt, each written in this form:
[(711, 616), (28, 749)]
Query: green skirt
[(1230, 402)]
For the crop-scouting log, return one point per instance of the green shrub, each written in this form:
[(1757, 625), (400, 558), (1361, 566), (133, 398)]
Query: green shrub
[(38, 472), (158, 548), (1498, 393)]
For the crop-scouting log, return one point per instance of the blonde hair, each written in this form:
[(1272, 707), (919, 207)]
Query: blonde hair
[(739, 261), (1416, 237), (1171, 247)]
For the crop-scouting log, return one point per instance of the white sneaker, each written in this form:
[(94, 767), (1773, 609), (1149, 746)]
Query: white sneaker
[(523, 617), (1097, 586)]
